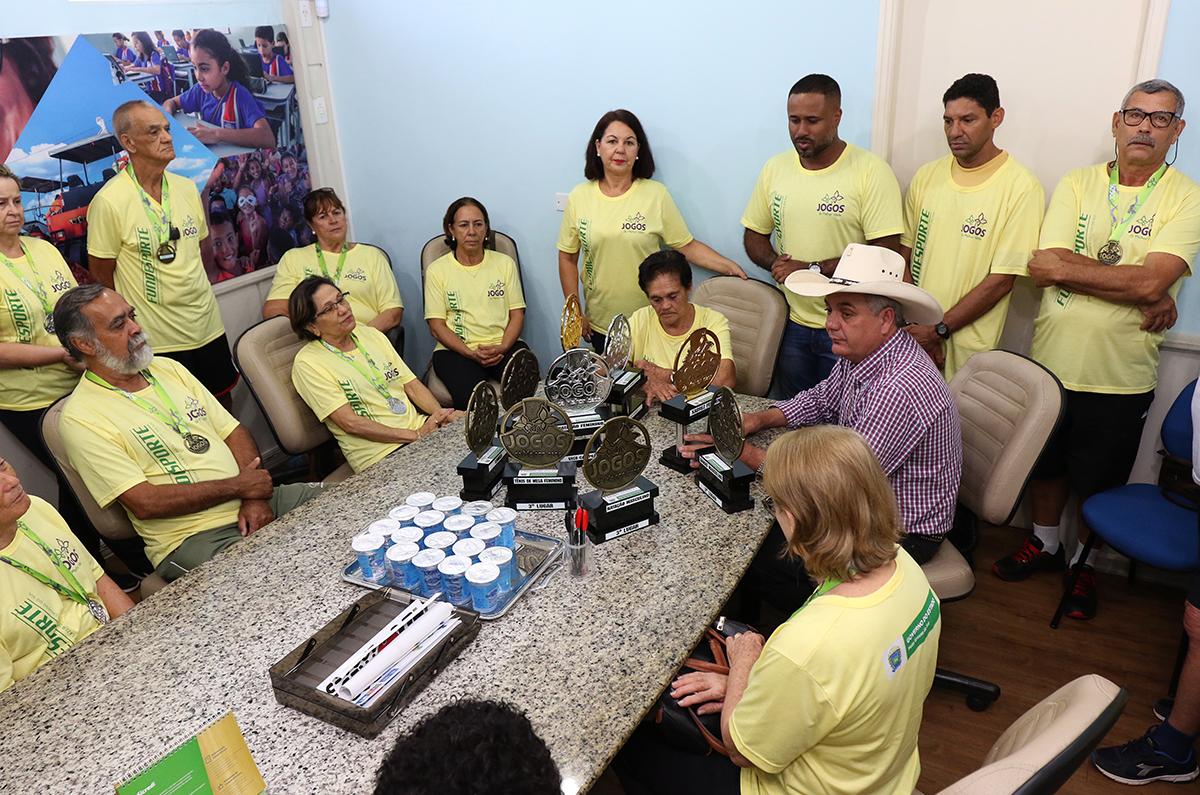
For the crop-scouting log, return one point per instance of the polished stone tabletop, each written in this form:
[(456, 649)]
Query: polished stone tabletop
[(585, 658)]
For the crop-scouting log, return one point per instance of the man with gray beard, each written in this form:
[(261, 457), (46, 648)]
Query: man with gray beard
[(143, 431)]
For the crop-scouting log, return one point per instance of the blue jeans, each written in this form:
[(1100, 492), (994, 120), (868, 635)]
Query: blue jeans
[(805, 360)]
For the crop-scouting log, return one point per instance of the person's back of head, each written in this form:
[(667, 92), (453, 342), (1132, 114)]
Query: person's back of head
[(468, 747)]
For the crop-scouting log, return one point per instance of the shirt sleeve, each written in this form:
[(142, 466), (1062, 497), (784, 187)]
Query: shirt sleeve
[(287, 276), (783, 713), (189, 101), (317, 388), (1018, 237), (675, 231), (757, 215), (104, 227), (435, 293), (568, 231), (912, 206), (814, 406), (1058, 228), (98, 455), (514, 293), (249, 108), (383, 283), (882, 212), (1181, 234)]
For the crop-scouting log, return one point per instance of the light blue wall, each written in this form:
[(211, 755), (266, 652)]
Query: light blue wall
[(496, 100), (59, 17), (1181, 65)]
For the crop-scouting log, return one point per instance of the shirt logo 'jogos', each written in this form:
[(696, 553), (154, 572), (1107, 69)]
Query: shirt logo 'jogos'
[(975, 227), (634, 223), (832, 204), (20, 316), (161, 454), (1142, 227), (496, 290)]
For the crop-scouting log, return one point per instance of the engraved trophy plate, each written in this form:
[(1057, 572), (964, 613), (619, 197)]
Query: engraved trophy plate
[(578, 381), (483, 410), (571, 328), (618, 344), (725, 425), (534, 434), (696, 362), (616, 454), (722, 476), (519, 379)]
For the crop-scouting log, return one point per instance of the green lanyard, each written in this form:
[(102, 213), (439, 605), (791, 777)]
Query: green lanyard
[(72, 590), (375, 376), (173, 417), (1120, 227), (825, 587), (40, 289), (161, 224), (341, 263)]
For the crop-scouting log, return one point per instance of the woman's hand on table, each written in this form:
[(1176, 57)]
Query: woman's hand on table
[(444, 417), (743, 649), (702, 688)]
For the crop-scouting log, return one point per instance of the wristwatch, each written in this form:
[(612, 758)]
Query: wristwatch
[(942, 330), (815, 267)]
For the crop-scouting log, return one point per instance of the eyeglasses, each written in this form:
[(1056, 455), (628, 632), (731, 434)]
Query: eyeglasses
[(1159, 118), (332, 305)]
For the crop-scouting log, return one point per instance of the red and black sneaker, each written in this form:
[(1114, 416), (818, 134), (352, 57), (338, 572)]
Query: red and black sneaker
[(1029, 559), (1082, 601)]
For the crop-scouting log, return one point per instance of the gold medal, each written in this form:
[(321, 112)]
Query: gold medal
[(519, 379), (725, 425), (1109, 253), (537, 433), (696, 362), (616, 454)]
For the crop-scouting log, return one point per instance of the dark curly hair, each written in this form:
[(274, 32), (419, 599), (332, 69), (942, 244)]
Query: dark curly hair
[(470, 747)]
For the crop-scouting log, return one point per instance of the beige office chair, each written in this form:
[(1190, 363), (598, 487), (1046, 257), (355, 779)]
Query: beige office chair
[(757, 314), (264, 355), (436, 248), (1046, 745), (1009, 406), (111, 522)]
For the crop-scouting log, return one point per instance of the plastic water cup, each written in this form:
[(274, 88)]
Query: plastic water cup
[(422, 500), (469, 547), (448, 505), (404, 514), (429, 521), (503, 559), (426, 564), (370, 549), (507, 519), (478, 509), (383, 527), (488, 532), (442, 540), (399, 562), (408, 535), (483, 584), (459, 524), (454, 579)]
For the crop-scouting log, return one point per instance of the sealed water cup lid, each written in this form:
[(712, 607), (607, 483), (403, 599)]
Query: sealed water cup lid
[(500, 556), (485, 530), (502, 515), (407, 535), (454, 565), (402, 552), (477, 508), (458, 523), (440, 540), (469, 547), (483, 573), (428, 558), (383, 527), (447, 504), (422, 499), (404, 513), (429, 518), (367, 542)]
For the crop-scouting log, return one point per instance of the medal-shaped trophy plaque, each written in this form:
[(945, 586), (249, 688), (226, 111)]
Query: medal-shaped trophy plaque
[(722, 476), (613, 462), (578, 382), (571, 326), (519, 379), (483, 467), (626, 398), (696, 364), (537, 435)]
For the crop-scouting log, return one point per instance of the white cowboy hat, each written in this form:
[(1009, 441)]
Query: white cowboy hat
[(870, 270)]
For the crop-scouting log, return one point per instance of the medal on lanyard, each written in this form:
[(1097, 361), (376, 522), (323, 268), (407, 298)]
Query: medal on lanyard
[(1110, 253), (375, 377), (166, 245), (72, 590), (337, 278), (194, 442), (38, 289)]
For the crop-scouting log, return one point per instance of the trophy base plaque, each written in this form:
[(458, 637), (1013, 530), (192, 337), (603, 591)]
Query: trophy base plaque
[(546, 489), (684, 413), (727, 485), (483, 475), (626, 398), (584, 424), (621, 512)]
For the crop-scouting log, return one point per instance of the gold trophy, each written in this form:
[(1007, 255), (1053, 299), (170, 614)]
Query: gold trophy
[(696, 364), (537, 434), (519, 379), (483, 467), (571, 327), (722, 475), (615, 457)]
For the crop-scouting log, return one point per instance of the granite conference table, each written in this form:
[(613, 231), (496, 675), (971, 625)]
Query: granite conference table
[(585, 658)]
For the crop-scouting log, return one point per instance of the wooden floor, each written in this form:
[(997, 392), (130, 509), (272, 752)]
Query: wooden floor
[(1001, 633)]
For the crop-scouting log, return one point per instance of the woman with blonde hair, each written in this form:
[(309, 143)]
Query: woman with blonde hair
[(832, 702)]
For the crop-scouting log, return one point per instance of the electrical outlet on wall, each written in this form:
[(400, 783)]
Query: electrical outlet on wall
[(320, 113), (560, 202), (306, 14)]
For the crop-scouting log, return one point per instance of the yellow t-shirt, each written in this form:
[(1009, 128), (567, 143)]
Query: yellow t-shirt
[(652, 342), (36, 621), (814, 215), (833, 704), (22, 319), (327, 382), (366, 276), (175, 303), (959, 235), (474, 301), (1091, 344), (115, 445), (613, 235)]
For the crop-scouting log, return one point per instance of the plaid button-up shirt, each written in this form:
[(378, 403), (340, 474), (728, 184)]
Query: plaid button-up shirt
[(898, 401)]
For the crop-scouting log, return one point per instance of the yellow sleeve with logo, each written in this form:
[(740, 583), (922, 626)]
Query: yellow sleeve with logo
[(288, 273)]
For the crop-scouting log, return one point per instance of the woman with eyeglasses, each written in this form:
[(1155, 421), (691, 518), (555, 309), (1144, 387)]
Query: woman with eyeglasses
[(362, 271), (354, 380), (832, 702)]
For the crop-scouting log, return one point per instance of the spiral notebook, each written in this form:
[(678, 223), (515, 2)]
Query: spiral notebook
[(214, 760)]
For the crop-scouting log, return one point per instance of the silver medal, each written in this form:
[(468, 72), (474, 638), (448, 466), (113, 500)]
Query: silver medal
[(195, 443), (98, 611), (1109, 253), (49, 324), (397, 405)]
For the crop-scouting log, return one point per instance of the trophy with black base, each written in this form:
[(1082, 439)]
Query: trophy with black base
[(578, 383), (616, 455), (696, 363), (626, 398), (537, 435), (519, 379), (483, 467), (722, 475)]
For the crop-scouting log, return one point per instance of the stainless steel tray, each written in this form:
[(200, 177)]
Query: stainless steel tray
[(537, 555)]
